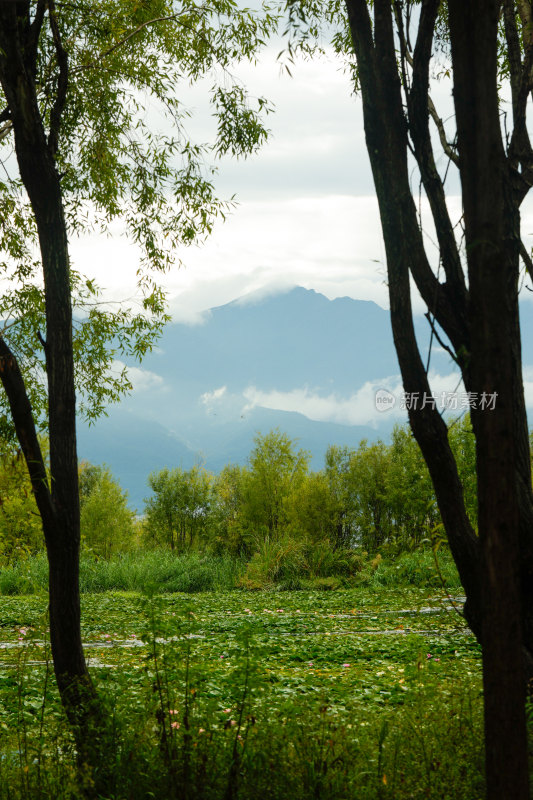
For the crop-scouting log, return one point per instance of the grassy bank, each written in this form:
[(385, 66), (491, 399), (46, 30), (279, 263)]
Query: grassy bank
[(153, 570), (161, 571)]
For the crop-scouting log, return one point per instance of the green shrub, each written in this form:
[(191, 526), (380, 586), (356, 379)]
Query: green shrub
[(274, 562), (323, 561), (416, 568)]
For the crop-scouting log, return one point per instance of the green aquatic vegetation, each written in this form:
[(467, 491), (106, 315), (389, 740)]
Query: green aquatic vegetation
[(302, 695)]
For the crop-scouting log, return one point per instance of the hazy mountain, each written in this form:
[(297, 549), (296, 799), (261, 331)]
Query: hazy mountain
[(293, 360)]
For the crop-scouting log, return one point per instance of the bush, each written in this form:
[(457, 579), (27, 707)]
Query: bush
[(417, 568), (278, 561)]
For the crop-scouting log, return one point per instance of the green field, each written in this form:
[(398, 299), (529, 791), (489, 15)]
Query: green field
[(347, 694)]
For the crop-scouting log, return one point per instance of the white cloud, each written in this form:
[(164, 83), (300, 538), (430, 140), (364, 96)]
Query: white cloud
[(308, 214), (357, 409), (208, 398), (328, 243), (360, 408), (141, 379), (186, 313)]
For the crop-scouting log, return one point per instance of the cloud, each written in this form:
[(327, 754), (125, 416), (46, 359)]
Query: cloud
[(357, 409), (141, 379), (208, 398), (330, 243), (360, 408), (256, 296), (186, 314), (307, 212)]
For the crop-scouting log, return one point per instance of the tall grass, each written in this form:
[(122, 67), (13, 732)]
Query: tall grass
[(157, 570), (417, 568), (161, 571), (281, 565), (310, 756)]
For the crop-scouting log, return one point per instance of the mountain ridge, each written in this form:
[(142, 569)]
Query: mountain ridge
[(291, 359)]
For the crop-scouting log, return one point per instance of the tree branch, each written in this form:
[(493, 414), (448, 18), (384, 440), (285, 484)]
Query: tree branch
[(5, 130), (513, 49), (526, 16), (130, 35), (35, 32), (392, 151), (520, 151), (439, 339), (22, 414), (448, 148), (62, 81), (526, 258), (418, 110)]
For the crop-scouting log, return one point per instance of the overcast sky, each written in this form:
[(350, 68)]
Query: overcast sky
[(307, 214)]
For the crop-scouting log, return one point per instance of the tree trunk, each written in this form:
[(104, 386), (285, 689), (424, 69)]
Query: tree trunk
[(492, 230), (482, 325), (386, 137), (59, 506)]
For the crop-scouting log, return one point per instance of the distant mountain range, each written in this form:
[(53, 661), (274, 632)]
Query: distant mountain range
[(293, 360)]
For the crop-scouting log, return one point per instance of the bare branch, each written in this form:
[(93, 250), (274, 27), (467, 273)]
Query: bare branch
[(405, 49), (439, 338), (130, 35), (448, 148), (5, 130), (526, 258), (450, 316)]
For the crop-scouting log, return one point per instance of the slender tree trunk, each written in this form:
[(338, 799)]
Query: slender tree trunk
[(483, 326), (492, 229), (59, 505), (386, 138)]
